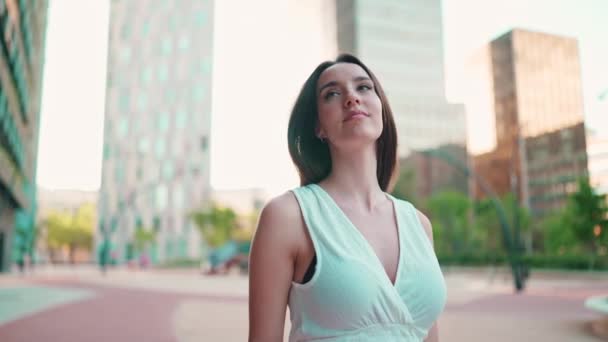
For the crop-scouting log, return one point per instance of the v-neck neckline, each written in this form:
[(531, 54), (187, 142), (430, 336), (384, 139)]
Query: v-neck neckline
[(366, 242)]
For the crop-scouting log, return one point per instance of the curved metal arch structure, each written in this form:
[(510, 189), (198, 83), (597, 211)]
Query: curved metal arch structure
[(512, 245)]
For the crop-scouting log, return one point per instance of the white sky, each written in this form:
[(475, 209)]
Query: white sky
[(262, 69)]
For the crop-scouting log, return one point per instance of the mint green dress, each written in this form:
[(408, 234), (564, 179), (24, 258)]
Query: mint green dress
[(350, 297)]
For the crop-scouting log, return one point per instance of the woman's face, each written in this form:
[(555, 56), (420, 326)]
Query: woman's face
[(350, 111)]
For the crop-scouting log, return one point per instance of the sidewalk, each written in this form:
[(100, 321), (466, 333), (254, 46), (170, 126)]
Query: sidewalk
[(481, 306)]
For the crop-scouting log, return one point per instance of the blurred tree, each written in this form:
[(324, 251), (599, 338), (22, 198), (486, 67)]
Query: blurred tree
[(405, 187), (449, 212), (143, 238), (216, 224), (246, 225), (487, 228), (558, 238), (71, 230), (587, 216)]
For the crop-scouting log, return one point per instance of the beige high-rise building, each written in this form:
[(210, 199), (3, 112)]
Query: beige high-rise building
[(526, 92), (157, 125), (597, 151), (402, 43)]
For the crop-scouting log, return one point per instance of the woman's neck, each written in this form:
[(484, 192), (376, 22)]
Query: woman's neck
[(353, 179)]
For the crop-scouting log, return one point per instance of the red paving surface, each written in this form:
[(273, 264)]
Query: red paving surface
[(121, 314), (112, 315)]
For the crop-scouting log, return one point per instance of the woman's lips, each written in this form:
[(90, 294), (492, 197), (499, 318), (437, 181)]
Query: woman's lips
[(355, 115)]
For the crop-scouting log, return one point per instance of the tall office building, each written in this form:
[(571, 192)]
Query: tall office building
[(402, 43), (597, 152), (528, 86), (22, 27), (157, 125)]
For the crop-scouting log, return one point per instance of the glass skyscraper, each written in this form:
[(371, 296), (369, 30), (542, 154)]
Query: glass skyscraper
[(528, 84), (157, 125), (23, 28), (402, 43)]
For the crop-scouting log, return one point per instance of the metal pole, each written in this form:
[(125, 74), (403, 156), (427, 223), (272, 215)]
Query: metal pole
[(512, 253)]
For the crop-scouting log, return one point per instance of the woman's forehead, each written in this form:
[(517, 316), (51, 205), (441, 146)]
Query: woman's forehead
[(341, 72)]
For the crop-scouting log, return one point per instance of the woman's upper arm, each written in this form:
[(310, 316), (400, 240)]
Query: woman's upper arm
[(426, 223), (271, 267), (433, 335)]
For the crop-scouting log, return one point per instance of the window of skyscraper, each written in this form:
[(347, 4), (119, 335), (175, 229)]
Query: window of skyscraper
[(167, 46), (200, 18), (160, 148), (184, 42), (123, 126), (204, 143), (142, 101), (161, 197), (180, 118), (169, 248), (178, 196), (125, 31), (156, 223), (139, 172), (146, 75), (144, 145), (198, 92), (170, 95), (163, 122), (123, 101), (106, 151), (168, 169), (125, 54), (183, 247), (120, 173), (206, 65), (146, 28), (163, 72)]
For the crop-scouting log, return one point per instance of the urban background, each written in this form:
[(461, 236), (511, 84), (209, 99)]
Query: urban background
[(160, 127)]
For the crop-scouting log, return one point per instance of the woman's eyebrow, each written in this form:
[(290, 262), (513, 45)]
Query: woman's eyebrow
[(334, 83)]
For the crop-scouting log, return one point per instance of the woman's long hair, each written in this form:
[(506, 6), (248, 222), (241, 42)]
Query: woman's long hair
[(311, 155)]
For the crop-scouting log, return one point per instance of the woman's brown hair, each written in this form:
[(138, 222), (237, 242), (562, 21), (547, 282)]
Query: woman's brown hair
[(311, 155)]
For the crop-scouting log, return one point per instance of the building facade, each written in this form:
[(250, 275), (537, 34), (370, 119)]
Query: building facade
[(402, 43), (527, 85), (597, 153), (157, 126), (23, 27)]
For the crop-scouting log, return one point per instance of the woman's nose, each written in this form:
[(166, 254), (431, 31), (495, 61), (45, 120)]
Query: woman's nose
[(351, 100)]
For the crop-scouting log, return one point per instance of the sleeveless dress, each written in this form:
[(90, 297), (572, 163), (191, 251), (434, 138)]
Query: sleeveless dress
[(350, 297)]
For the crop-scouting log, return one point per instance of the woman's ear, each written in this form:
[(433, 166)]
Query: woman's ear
[(319, 133)]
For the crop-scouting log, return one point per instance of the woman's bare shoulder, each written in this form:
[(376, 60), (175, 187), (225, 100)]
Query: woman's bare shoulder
[(282, 207), (280, 220)]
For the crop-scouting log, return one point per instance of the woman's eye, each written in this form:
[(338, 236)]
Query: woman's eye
[(364, 87), (331, 94)]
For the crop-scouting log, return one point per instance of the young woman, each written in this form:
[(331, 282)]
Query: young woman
[(352, 262)]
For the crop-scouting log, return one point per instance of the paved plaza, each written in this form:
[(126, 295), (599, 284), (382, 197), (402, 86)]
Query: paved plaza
[(79, 304)]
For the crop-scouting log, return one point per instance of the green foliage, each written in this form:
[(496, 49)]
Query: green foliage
[(558, 238), (547, 261), (405, 187), (143, 238), (74, 230), (487, 226), (449, 212), (587, 215), (216, 224), (181, 263)]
